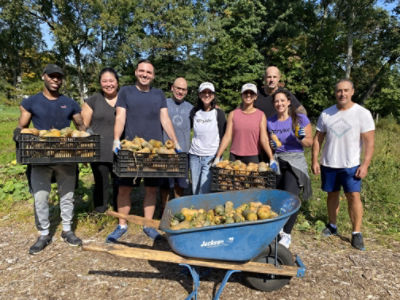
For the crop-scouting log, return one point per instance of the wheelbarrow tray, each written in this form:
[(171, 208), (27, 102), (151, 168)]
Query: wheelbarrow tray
[(231, 242)]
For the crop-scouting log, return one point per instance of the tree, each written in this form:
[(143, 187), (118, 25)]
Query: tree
[(20, 45)]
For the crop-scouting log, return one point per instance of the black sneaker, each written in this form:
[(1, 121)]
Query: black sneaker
[(70, 238), (40, 244), (329, 230), (357, 241)]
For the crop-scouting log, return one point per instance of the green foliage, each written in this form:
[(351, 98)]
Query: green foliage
[(13, 187)]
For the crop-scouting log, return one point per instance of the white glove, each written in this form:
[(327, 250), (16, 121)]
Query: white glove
[(216, 160), (116, 146)]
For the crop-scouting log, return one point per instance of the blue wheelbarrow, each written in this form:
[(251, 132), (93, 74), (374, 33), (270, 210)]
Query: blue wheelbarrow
[(248, 247)]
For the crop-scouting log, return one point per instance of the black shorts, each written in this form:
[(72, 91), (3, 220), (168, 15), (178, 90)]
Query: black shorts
[(129, 181), (244, 159)]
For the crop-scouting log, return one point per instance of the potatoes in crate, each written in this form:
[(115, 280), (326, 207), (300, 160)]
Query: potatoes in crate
[(140, 145)]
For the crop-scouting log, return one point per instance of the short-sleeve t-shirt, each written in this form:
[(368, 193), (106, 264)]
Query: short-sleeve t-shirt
[(179, 113), (102, 123), (265, 103), (343, 130), (205, 141), (285, 133), (142, 112), (48, 114)]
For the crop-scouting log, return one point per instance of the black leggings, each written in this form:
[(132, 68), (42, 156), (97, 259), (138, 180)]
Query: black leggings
[(287, 181), (244, 159), (102, 173)]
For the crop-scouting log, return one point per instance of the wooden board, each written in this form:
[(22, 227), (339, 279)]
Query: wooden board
[(170, 257), (135, 219)]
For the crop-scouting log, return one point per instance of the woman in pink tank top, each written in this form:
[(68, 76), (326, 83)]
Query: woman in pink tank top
[(247, 129)]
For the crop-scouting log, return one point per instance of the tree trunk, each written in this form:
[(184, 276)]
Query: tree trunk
[(378, 76), (349, 58)]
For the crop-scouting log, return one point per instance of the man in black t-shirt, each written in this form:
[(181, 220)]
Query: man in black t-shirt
[(264, 100)]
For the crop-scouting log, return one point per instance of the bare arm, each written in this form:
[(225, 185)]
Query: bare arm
[(307, 141), (78, 121), (368, 141), (264, 140), (86, 113), (120, 119), (166, 124), (227, 136), (301, 110), (24, 118), (316, 147)]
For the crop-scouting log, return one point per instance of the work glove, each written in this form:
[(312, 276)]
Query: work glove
[(90, 131), (273, 165), (301, 134), (216, 160), (16, 134), (178, 148), (116, 146), (273, 144)]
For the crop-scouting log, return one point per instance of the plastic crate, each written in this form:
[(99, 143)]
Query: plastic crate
[(32, 149), (229, 180), (130, 164)]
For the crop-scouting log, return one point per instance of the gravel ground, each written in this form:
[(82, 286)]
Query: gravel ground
[(334, 271)]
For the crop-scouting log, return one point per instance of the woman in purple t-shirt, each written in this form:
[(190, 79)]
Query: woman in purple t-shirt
[(246, 128), (289, 133)]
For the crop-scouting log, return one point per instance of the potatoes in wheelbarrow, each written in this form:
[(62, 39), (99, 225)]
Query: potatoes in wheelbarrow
[(221, 214)]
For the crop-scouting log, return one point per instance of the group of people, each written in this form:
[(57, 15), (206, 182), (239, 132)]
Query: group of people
[(270, 125)]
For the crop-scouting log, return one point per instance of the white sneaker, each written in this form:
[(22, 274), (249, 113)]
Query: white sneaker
[(285, 240)]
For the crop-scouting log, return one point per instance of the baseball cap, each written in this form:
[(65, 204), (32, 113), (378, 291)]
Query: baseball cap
[(206, 86), (52, 68), (249, 87)]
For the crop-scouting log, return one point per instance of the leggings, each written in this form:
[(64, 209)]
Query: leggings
[(103, 176), (287, 181)]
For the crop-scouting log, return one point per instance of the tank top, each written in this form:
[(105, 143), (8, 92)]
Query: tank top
[(246, 132)]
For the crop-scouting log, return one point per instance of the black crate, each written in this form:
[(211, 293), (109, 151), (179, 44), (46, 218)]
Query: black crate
[(133, 164), (35, 150), (228, 180)]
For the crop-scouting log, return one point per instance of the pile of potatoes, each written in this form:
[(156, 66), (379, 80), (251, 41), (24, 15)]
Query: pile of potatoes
[(221, 214), (65, 132), (238, 165), (140, 145)]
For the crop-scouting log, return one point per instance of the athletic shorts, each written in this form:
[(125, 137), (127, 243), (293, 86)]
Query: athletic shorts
[(129, 181), (333, 178)]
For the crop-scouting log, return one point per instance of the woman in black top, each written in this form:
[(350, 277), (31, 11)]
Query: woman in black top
[(98, 114)]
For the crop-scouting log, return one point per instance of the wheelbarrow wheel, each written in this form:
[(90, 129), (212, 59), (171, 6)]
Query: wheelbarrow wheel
[(271, 282)]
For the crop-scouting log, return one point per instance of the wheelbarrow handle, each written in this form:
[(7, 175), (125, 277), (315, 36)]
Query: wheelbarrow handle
[(135, 219)]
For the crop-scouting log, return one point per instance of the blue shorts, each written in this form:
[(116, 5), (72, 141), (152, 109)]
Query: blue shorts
[(333, 178)]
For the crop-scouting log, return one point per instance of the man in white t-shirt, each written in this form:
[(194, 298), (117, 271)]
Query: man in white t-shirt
[(348, 130)]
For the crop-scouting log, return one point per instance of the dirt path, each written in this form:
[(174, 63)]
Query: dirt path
[(334, 271)]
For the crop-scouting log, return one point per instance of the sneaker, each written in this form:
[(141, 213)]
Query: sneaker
[(357, 241), (70, 238), (329, 230), (151, 233), (40, 244), (285, 239), (116, 234)]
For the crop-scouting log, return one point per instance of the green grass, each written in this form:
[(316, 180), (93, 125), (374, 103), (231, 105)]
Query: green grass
[(379, 191), (8, 121)]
